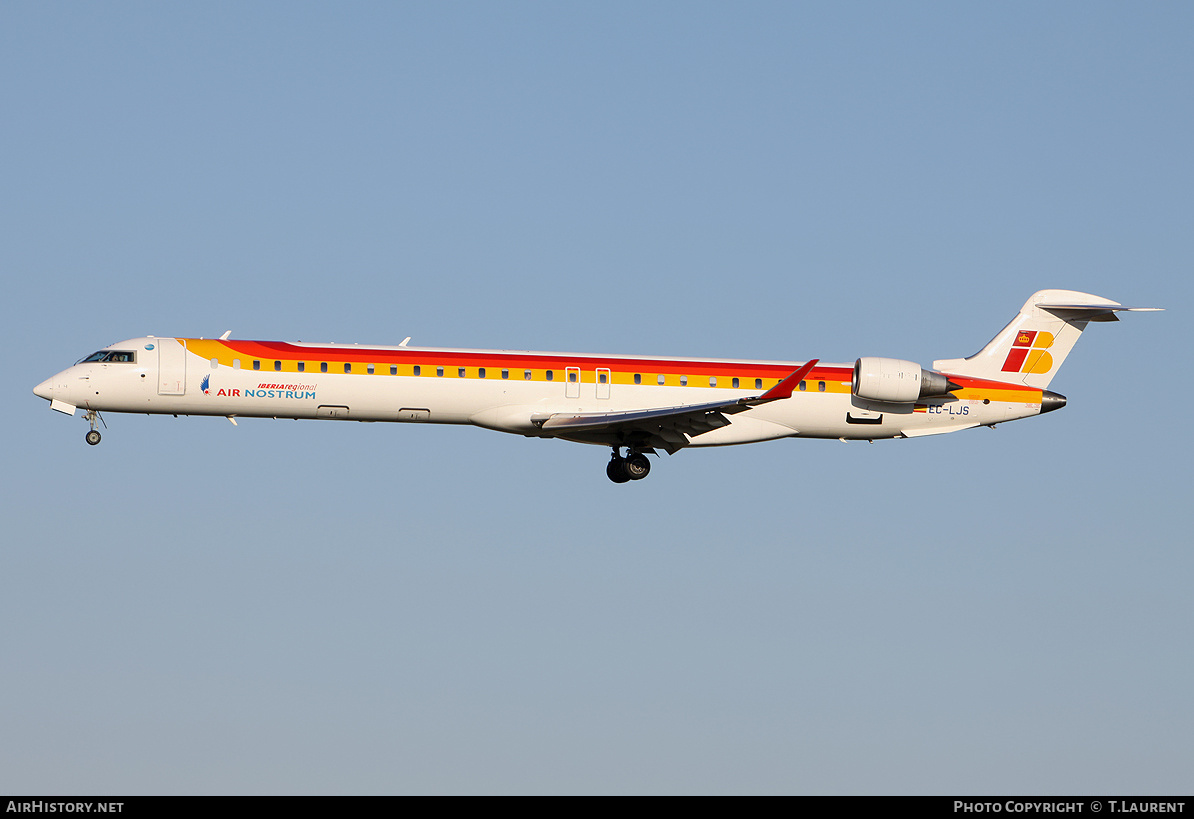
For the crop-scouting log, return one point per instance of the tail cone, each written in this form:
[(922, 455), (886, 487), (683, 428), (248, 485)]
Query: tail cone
[(1051, 401)]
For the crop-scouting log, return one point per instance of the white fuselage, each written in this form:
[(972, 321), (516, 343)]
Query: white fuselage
[(510, 391)]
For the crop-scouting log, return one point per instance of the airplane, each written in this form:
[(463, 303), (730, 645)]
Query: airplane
[(642, 404)]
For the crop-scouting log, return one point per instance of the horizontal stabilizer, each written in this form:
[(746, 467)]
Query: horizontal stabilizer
[(1089, 312)]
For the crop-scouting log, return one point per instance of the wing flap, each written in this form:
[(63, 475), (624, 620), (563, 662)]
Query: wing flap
[(590, 421)]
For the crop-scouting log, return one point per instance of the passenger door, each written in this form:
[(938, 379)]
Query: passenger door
[(172, 366)]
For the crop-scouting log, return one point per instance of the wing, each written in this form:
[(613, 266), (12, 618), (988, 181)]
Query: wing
[(667, 428)]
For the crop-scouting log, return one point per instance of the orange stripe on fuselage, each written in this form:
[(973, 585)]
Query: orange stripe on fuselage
[(267, 351), (977, 389)]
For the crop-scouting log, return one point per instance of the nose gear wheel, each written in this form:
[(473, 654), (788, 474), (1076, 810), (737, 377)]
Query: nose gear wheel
[(93, 436)]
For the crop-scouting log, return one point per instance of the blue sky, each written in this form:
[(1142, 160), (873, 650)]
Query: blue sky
[(294, 607)]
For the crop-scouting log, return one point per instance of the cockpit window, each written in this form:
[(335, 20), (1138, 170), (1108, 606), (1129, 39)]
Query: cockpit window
[(112, 356)]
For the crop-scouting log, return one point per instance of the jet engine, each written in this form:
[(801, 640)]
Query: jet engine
[(895, 381)]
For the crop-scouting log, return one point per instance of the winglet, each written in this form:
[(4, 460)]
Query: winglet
[(784, 388)]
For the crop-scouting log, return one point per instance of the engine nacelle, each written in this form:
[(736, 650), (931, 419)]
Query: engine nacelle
[(895, 381)]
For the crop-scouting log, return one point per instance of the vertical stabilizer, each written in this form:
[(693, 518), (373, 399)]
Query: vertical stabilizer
[(1033, 346)]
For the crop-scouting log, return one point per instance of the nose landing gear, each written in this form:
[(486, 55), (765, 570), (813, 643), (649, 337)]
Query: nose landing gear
[(93, 437), (634, 467)]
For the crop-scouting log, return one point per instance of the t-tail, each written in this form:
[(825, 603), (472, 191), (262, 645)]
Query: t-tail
[(1031, 349)]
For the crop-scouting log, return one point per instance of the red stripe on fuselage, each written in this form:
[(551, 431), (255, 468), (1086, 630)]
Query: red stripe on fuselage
[(524, 360)]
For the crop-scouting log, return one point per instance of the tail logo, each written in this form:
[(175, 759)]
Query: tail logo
[(1028, 353)]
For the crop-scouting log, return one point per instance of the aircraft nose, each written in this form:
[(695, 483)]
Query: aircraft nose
[(45, 390)]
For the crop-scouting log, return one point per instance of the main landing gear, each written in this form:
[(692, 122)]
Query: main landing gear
[(634, 467), (93, 437)]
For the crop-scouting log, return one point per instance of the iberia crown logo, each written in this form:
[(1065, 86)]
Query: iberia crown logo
[(205, 384), (1028, 353)]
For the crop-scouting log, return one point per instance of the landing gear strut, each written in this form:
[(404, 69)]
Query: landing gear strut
[(92, 437), (634, 467)]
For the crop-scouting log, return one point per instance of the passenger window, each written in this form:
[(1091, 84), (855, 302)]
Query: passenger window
[(418, 370), (323, 367), (638, 378), (393, 369), (369, 368), (439, 371), (550, 375), (256, 365), (662, 380), (460, 372), (603, 378), (236, 363), (683, 381), (712, 381), (572, 377), (758, 383), (481, 372), (215, 363), (820, 386), (734, 383), (347, 367), (803, 386), (505, 373), (302, 366), (527, 375), (277, 366)]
